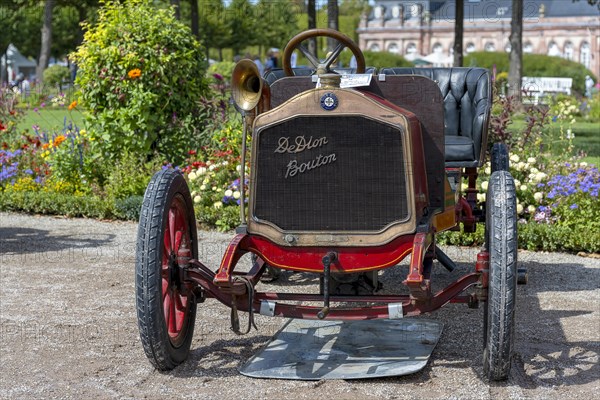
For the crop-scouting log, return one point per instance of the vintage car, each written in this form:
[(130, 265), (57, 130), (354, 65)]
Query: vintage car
[(349, 175)]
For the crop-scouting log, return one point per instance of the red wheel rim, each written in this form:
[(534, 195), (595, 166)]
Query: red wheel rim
[(176, 305)]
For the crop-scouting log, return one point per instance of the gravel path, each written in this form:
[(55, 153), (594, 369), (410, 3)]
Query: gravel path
[(68, 327)]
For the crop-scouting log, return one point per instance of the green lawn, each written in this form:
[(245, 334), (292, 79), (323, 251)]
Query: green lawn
[(50, 119)]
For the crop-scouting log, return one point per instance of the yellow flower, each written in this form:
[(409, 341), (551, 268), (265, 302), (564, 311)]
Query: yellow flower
[(73, 105), (134, 73)]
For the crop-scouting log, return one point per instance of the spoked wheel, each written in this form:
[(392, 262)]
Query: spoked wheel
[(501, 239), (166, 309)]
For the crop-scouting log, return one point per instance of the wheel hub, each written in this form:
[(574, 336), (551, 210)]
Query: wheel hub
[(173, 271)]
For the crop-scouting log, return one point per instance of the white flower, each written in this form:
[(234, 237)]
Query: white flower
[(218, 204), (192, 176), (481, 197), (540, 176), (517, 182), (208, 162), (487, 170), (197, 199), (212, 168), (238, 168), (224, 163), (236, 195), (201, 171), (534, 170), (214, 188), (484, 185), (523, 188), (583, 164), (219, 190), (570, 134), (538, 196), (205, 181), (228, 193), (520, 166), (203, 187), (530, 209), (464, 186), (519, 208), (193, 193), (514, 158), (531, 160)]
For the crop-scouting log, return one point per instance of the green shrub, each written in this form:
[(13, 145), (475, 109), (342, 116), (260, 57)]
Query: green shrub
[(538, 65), (129, 177), (129, 208), (593, 105), (378, 59), (141, 74), (56, 204), (56, 74), (223, 68)]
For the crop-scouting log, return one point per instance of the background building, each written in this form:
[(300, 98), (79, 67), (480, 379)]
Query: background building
[(424, 30)]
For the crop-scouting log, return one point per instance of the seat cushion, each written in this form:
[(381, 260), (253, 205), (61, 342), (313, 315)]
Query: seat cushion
[(459, 148)]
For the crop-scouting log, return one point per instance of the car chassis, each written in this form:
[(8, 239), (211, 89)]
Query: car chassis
[(171, 280)]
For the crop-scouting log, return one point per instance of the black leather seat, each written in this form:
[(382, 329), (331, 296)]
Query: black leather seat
[(467, 104)]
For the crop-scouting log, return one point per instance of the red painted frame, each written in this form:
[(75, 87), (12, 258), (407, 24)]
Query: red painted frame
[(225, 285)]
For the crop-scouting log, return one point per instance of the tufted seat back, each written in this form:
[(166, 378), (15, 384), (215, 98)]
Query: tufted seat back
[(467, 103)]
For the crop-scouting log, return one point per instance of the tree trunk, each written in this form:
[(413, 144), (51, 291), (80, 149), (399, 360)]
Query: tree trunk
[(332, 21), (515, 70), (312, 24), (459, 24), (46, 41), (176, 5), (195, 15)]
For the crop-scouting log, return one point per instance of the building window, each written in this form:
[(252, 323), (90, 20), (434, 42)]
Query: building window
[(393, 48), (374, 47), (489, 46), (585, 55), (553, 50), (437, 48), (568, 53), (470, 47), (378, 12), (528, 48), (411, 48)]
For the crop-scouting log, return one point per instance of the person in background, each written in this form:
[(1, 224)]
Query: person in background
[(269, 63), (294, 59), (589, 84), (259, 65)]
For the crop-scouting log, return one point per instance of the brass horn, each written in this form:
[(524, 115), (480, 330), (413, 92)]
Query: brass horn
[(246, 85)]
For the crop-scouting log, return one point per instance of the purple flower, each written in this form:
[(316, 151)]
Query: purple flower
[(218, 77), (573, 206)]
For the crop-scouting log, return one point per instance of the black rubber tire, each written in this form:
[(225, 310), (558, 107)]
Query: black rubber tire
[(499, 159), (167, 187), (499, 313)]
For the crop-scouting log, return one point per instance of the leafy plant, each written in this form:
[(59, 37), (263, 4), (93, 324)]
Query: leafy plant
[(141, 73)]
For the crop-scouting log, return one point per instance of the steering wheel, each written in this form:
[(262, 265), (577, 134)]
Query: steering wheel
[(322, 66)]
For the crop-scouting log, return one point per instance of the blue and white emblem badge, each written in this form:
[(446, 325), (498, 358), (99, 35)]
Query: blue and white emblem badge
[(329, 101)]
